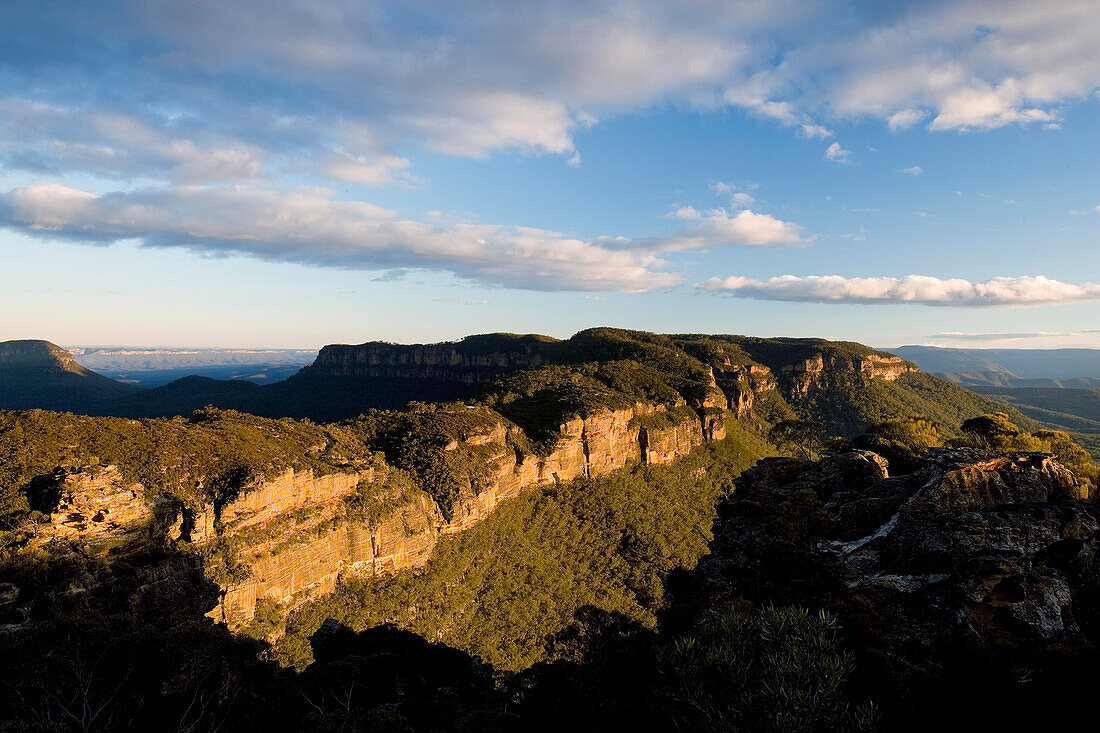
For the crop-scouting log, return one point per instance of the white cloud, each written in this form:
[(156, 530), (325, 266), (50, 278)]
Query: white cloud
[(961, 336), (904, 119), (686, 212), (495, 75), (838, 154), (489, 121), (739, 199), (922, 289), (915, 170), (819, 132), (46, 138), (377, 170), (311, 227), (720, 229)]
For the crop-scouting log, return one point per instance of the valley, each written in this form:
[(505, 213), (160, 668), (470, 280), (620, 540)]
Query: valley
[(552, 480)]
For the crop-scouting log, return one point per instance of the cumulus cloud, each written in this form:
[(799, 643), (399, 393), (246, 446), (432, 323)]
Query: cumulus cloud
[(312, 227), (719, 228), (922, 289), (686, 212), (838, 154)]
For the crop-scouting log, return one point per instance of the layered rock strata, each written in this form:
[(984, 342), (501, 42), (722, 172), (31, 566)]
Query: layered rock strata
[(293, 537), (803, 375)]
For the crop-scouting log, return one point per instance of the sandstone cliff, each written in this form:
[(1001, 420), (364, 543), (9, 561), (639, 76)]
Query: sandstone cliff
[(805, 374), (292, 537), (471, 361)]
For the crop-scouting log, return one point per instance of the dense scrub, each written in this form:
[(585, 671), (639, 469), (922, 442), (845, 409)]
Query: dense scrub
[(211, 451), (499, 588), (846, 403)]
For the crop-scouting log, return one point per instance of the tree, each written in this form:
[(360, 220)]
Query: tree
[(993, 430), (917, 432), (805, 435)]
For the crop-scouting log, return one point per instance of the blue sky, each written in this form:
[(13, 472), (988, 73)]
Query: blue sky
[(243, 174)]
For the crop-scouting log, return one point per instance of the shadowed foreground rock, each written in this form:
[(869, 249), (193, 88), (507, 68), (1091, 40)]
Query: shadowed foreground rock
[(977, 563)]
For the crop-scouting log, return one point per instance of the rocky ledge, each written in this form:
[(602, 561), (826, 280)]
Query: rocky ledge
[(292, 536), (975, 553)]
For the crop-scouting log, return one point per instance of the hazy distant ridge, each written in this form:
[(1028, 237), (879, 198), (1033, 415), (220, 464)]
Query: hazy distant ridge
[(1060, 364)]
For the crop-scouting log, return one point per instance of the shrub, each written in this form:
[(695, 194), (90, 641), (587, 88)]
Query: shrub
[(779, 669)]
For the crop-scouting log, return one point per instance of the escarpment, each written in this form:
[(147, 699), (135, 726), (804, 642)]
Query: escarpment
[(278, 511), (473, 360), (805, 374), (708, 371), (293, 536)]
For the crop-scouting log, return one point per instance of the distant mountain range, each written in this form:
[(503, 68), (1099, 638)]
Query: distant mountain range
[(158, 366), (1058, 387), (843, 385), (1047, 364), (38, 374)]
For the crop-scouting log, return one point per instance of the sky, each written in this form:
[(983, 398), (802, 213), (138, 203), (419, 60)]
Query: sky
[(293, 174)]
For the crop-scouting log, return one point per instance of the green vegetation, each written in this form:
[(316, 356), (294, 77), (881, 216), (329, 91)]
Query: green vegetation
[(995, 431), (917, 432), (845, 403), (1076, 411), (902, 441), (431, 443), (777, 669), (804, 435), (497, 589), (776, 352), (211, 454)]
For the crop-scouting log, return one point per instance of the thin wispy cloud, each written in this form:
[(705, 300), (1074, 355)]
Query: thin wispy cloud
[(914, 289), (992, 336)]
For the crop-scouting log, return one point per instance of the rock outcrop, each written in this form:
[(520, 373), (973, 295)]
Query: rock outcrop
[(471, 361), (807, 373), (973, 553), (298, 559), (292, 537)]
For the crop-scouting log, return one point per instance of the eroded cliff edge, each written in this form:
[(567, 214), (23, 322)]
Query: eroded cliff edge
[(291, 536), (279, 511)]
